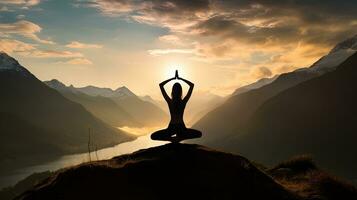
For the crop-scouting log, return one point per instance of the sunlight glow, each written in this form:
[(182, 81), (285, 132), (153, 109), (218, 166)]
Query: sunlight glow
[(140, 131), (169, 71)]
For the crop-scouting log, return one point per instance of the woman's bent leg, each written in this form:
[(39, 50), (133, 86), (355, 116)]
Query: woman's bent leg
[(194, 133), (191, 134), (161, 135)]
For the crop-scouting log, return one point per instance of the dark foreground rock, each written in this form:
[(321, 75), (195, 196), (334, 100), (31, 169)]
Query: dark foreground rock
[(172, 171)]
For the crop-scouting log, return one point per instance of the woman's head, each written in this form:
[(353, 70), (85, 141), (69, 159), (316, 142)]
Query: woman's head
[(176, 91)]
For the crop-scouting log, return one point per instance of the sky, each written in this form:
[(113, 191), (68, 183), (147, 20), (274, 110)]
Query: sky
[(219, 45)]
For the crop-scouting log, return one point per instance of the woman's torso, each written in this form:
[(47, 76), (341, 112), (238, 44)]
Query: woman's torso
[(177, 109)]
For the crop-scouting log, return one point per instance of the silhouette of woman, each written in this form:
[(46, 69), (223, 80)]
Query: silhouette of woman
[(176, 131)]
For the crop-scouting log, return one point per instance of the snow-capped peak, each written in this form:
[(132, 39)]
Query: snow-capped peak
[(336, 56), (95, 91), (56, 84), (8, 63), (123, 92), (258, 84), (350, 43)]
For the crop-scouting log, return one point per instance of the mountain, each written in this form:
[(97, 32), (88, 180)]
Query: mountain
[(121, 92), (38, 123), (102, 107), (200, 104), (159, 103), (336, 56), (22, 186), (147, 98), (182, 171), (230, 118), (145, 112), (258, 84), (130, 110), (316, 117), (8, 64)]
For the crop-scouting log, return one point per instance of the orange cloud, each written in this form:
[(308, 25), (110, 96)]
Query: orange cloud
[(11, 46), (53, 54), (21, 2), (261, 72), (248, 39), (172, 39), (23, 28), (79, 45), (79, 61)]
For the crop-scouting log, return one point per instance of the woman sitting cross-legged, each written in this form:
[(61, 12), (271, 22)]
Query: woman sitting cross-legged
[(176, 131)]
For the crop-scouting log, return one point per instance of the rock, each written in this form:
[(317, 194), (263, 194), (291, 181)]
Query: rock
[(172, 171)]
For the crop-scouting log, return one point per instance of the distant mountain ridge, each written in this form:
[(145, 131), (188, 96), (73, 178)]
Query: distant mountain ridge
[(229, 118), (102, 107), (258, 84), (39, 124), (121, 92), (336, 56), (120, 107)]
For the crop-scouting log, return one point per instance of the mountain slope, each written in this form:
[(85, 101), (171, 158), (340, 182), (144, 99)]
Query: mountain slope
[(136, 111), (230, 118), (336, 56), (143, 111), (317, 117), (9, 193), (120, 92), (258, 84), (102, 107), (45, 122), (200, 104)]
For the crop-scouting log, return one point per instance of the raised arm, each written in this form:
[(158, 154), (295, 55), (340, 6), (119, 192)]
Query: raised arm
[(162, 84), (190, 90)]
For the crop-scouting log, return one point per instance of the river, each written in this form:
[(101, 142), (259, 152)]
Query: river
[(141, 142)]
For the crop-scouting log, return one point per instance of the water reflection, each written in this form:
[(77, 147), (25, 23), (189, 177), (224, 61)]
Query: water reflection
[(141, 142)]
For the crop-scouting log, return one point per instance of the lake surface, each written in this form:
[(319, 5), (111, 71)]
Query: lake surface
[(141, 142)]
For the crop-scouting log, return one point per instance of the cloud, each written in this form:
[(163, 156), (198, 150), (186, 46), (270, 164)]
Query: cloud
[(53, 54), (261, 72), (157, 52), (79, 45), (236, 17), (172, 39), (227, 34), (159, 12), (13, 46), (28, 50), (23, 28), (21, 2), (78, 61), (143, 7), (257, 24)]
